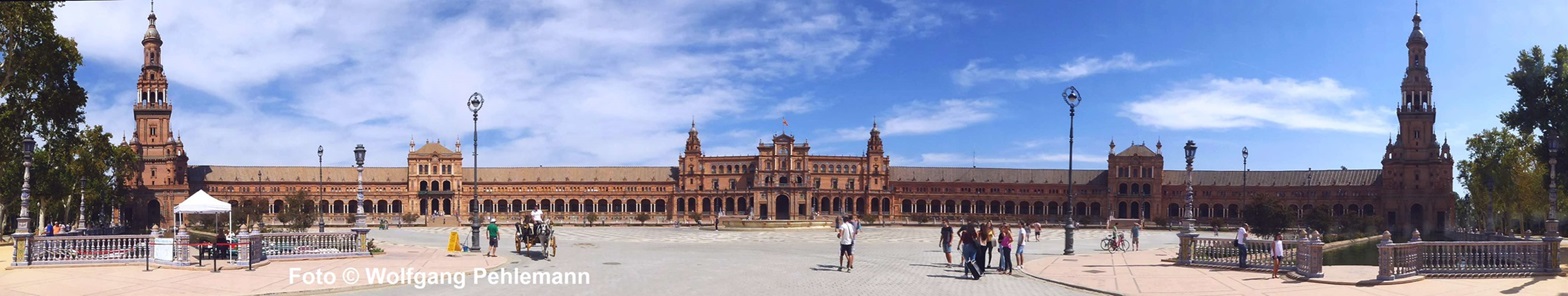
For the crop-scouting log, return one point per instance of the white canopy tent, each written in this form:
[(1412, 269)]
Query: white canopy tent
[(203, 203)]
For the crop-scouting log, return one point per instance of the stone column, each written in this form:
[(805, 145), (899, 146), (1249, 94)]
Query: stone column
[(1385, 257), (181, 247), (1313, 248)]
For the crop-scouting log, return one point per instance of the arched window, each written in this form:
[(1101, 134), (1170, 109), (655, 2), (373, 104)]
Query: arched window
[(1146, 189), (1123, 188)]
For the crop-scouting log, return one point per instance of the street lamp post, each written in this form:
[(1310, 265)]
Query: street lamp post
[(1189, 235), (1192, 150), (359, 209), (321, 191), (1244, 172), (1071, 96), (1553, 238), (1551, 211), (22, 228), (475, 102), (81, 206)]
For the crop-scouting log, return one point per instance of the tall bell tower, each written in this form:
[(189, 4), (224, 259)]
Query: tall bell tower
[(161, 180), (1417, 169)]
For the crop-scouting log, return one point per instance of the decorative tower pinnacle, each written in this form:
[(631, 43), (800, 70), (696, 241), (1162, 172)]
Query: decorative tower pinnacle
[(874, 145), (693, 145)]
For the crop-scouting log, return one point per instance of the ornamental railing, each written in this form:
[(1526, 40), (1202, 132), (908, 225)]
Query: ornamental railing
[(1465, 259), (1222, 252), (87, 249), (311, 245)]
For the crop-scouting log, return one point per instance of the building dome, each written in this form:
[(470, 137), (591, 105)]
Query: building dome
[(1416, 36), (152, 29)]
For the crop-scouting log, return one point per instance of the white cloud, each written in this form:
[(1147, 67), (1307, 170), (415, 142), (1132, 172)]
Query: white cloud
[(795, 105), (922, 117), (572, 82), (973, 73), (1320, 104)]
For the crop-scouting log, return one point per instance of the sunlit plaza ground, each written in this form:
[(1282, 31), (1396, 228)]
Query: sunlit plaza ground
[(687, 261)]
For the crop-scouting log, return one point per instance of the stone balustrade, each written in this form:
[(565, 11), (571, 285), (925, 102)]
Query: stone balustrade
[(295, 245), (1222, 252), (84, 249), (1464, 259)]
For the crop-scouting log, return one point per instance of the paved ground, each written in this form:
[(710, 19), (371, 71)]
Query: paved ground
[(1142, 273), (669, 261), (272, 278)]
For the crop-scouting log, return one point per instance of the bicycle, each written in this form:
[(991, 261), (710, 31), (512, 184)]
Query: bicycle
[(1114, 242)]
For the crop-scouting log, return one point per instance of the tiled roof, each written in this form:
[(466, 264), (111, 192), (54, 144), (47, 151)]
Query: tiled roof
[(1276, 178), (1137, 150), (577, 174), (201, 174), (214, 173), (432, 147), (990, 175)]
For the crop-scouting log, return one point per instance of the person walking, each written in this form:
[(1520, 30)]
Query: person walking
[(1241, 244), (1136, 226), (1004, 242), (1279, 254), (846, 245), (947, 242), (495, 236), (1023, 239), (968, 238)]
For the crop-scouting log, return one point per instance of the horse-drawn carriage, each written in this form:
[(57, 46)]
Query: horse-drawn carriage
[(535, 231)]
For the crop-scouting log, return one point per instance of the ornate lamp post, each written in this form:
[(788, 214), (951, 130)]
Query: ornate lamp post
[(1553, 238), (359, 209), (321, 191), (1070, 95), (1192, 150), (1551, 211), (475, 102), (22, 220), (1189, 235), (81, 206), (1244, 172)]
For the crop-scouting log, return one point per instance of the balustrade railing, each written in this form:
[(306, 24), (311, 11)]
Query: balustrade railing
[(78, 249), (1222, 252), (311, 245), (1458, 259)]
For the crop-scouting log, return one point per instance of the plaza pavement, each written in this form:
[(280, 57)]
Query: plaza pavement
[(1143, 273), (269, 279), (685, 261)]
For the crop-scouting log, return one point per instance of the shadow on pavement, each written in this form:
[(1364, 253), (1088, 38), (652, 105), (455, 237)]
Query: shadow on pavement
[(825, 267)]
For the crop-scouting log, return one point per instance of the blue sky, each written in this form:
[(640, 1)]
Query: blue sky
[(584, 83)]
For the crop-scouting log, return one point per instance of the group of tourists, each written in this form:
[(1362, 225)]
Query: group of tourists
[(981, 243)]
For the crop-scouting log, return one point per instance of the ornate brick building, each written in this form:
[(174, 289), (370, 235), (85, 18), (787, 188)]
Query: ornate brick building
[(784, 180)]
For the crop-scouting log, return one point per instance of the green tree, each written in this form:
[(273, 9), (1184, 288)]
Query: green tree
[(1542, 86), (1267, 215), (1504, 178), (298, 212), (41, 97)]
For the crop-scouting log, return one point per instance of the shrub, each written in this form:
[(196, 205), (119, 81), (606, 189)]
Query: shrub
[(643, 218), (591, 218), (920, 218), (1162, 221)]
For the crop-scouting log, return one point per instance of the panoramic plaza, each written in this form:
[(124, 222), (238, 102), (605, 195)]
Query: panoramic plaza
[(645, 182)]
